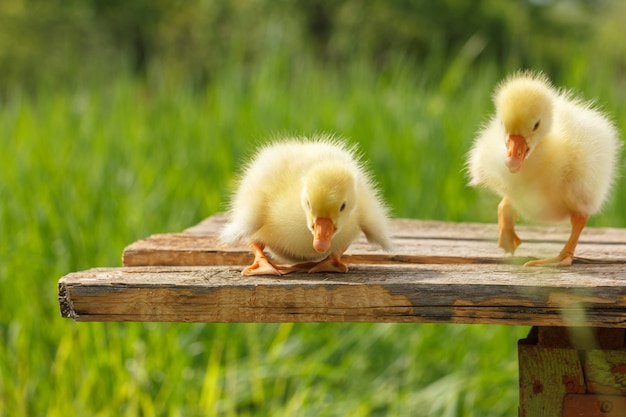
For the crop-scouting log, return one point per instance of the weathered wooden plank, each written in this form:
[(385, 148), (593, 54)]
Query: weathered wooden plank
[(411, 228), (588, 295), (416, 241)]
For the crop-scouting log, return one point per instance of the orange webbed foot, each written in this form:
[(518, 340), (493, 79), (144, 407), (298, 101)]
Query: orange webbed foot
[(261, 266), (332, 263), (329, 265), (564, 259)]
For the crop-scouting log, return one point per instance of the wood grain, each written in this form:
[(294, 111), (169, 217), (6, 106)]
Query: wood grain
[(438, 272), (587, 295), (546, 376), (415, 241)]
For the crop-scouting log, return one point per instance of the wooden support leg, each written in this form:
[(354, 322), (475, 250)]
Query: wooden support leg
[(572, 372)]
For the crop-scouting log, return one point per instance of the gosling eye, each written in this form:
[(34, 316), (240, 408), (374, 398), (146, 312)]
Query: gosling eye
[(537, 125), (343, 206), (308, 204)]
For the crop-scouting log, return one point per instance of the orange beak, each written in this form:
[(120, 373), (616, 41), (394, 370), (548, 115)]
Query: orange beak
[(323, 230), (516, 151)]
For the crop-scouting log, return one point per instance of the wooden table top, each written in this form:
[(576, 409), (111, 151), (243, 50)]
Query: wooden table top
[(439, 272)]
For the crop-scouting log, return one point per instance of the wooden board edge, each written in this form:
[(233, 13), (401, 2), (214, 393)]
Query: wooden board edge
[(66, 306)]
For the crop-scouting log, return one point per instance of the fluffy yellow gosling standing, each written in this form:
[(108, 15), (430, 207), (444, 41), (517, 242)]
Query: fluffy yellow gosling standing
[(305, 201), (548, 155)]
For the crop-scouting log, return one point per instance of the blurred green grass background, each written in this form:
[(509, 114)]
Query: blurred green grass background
[(119, 120)]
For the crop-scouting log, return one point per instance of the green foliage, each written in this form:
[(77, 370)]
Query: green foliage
[(92, 162), (70, 42)]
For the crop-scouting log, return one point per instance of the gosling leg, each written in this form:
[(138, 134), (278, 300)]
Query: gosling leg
[(261, 265), (507, 239), (566, 257)]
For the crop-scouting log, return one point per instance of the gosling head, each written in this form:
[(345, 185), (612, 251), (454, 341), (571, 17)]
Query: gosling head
[(328, 198), (524, 106)]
